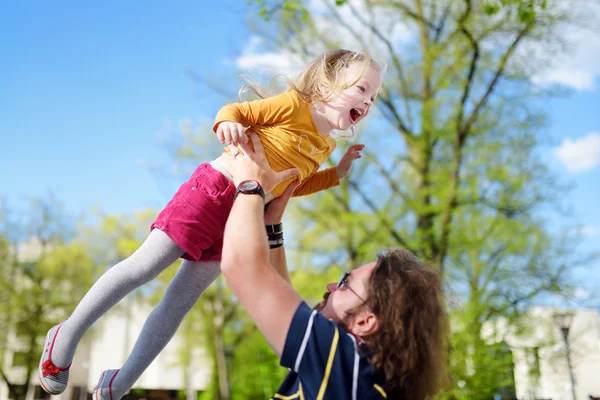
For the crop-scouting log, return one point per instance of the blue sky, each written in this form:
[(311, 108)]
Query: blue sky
[(86, 90)]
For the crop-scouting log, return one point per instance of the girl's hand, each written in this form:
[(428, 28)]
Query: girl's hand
[(229, 132), (345, 165)]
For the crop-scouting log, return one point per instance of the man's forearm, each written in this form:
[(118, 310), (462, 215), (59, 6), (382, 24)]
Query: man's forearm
[(278, 261), (246, 229), (269, 300)]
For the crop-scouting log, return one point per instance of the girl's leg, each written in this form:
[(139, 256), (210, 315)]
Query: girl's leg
[(183, 292), (154, 255)]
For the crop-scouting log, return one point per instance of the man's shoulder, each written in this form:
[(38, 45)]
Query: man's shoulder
[(327, 360), (295, 386)]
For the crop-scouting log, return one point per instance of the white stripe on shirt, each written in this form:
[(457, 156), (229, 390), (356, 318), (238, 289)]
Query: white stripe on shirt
[(304, 341), (355, 372)]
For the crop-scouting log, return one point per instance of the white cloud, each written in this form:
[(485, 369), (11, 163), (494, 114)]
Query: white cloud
[(581, 293), (273, 62), (576, 78), (577, 69), (586, 230), (256, 57), (582, 64), (590, 230), (387, 23), (581, 154)]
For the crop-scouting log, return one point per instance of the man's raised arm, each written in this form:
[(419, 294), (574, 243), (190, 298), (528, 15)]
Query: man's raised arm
[(267, 297)]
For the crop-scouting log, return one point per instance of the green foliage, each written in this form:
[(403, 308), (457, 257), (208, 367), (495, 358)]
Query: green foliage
[(451, 168), (525, 9), (254, 370), (43, 275), (267, 9)]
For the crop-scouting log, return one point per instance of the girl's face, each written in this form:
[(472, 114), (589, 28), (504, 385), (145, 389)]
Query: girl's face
[(354, 103)]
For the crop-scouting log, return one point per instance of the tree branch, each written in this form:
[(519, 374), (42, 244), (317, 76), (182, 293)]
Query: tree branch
[(406, 95), (9, 384), (441, 25), (390, 180), (459, 142), (467, 125), (408, 11), (472, 67), (514, 302), (376, 212)]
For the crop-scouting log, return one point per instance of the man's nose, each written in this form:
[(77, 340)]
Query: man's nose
[(331, 287)]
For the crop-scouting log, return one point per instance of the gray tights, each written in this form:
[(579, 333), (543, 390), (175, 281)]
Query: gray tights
[(153, 256)]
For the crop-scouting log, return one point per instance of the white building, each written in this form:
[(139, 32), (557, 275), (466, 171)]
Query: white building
[(540, 356), (106, 346)]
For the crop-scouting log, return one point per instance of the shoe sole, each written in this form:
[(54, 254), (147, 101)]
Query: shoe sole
[(40, 375), (95, 393), (47, 390), (97, 389)]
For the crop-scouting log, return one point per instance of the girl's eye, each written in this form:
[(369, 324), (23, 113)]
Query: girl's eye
[(362, 89)]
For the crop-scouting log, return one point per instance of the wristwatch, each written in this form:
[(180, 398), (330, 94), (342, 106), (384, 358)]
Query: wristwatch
[(249, 187)]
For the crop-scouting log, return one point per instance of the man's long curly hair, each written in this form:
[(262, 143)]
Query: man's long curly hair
[(409, 345)]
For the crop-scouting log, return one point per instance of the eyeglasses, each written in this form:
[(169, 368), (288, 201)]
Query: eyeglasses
[(344, 282)]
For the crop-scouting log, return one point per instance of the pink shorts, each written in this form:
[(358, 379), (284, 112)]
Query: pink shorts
[(195, 217)]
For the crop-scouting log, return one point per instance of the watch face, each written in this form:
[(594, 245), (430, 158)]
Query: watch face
[(249, 185)]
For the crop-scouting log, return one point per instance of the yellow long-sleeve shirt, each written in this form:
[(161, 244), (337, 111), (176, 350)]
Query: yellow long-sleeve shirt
[(290, 137)]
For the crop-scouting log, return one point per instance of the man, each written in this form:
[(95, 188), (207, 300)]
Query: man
[(378, 333)]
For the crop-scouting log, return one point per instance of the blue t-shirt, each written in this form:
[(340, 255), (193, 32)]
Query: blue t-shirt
[(325, 362)]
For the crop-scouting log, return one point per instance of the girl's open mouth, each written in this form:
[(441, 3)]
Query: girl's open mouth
[(355, 114)]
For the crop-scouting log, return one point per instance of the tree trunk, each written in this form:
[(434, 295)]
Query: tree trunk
[(219, 349), (190, 393)]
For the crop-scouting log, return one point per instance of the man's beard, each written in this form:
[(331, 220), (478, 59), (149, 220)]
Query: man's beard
[(319, 307)]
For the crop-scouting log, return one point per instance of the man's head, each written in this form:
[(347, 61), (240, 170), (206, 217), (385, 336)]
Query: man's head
[(395, 305)]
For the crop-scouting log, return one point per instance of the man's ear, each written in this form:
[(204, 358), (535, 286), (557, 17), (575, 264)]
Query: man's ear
[(364, 323)]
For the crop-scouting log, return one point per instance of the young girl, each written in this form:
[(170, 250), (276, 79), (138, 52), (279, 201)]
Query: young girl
[(334, 92)]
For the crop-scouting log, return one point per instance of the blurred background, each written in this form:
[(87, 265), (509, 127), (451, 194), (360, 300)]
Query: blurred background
[(482, 157)]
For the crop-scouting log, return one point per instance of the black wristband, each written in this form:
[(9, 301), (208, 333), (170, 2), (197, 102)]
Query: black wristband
[(275, 236), (277, 228), (274, 243)]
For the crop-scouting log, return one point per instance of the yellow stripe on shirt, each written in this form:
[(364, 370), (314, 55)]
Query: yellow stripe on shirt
[(380, 390), (334, 343), (280, 396)]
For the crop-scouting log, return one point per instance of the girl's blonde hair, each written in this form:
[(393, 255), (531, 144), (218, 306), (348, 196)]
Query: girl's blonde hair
[(318, 81)]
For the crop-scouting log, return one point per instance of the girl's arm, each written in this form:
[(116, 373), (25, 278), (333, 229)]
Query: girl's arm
[(330, 177), (322, 180), (269, 111)]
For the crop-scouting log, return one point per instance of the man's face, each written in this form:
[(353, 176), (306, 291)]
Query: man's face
[(348, 296)]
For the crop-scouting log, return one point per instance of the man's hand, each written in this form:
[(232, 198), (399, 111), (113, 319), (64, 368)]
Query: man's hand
[(345, 165), (253, 164), (275, 209)]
